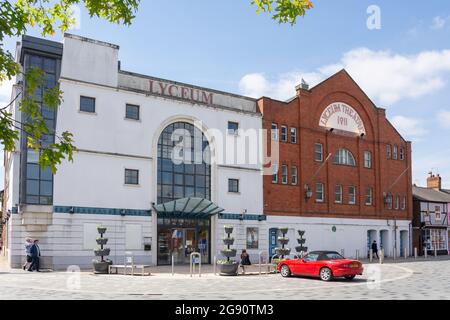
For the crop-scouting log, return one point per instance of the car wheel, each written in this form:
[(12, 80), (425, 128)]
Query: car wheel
[(285, 271), (325, 274), (350, 277)]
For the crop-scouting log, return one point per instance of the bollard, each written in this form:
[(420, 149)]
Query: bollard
[(415, 253), (381, 258), (371, 255), (357, 255), (425, 253), (435, 253), (215, 264), (405, 253), (173, 265)]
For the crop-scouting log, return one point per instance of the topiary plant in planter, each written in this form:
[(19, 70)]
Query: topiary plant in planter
[(101, 265), (283, 240), (228, 267)]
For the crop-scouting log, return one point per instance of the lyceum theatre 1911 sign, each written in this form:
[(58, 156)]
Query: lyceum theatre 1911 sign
[(341, 116)]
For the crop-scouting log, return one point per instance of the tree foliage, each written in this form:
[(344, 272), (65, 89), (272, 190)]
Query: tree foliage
[(284, 11), (49, 16)]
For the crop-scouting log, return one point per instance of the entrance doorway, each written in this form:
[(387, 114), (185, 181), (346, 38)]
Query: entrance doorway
[(178, 238)]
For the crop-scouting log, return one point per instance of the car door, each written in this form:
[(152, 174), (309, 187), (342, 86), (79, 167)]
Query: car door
[(309, 264)]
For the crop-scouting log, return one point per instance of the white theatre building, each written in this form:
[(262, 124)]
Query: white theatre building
[(122, 175)]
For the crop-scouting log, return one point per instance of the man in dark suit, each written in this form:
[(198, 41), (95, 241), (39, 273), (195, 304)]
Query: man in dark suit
[(35, 254)]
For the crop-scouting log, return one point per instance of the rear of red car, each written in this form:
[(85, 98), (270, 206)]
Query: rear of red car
[(346, 268)]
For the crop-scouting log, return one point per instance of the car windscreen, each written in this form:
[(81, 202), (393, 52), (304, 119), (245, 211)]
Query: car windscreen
[(311, 257), (333, 256)]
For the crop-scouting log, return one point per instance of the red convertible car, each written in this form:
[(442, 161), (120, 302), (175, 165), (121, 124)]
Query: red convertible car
[(323, 264)]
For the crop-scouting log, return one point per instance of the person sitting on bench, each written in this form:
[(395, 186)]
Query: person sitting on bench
[(245, 258)]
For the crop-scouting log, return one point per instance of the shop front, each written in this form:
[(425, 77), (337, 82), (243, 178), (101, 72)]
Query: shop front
[(184, 227)]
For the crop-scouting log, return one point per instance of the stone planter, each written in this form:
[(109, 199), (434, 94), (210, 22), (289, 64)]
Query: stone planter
[(284, 230), (283, 251), (283, 240), (229, 253), (301, 249), (228, 229), (229, 269), (228, 241), (102, 252), (301, 241), (101, 230), (101, 266), (102, 241)]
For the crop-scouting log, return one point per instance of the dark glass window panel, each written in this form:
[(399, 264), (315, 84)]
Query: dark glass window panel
[(189, 168), (32, 171), (50, 80), (178, 192), (199, 181), (48, 113), (87, 104), (46, 174), (46, 200), (189, 192), (132, 112), (46, 188), (178, 168), (32, 199), (189, 180), (32, 156), (33, 187), (233, 127), (233, 185), (200, 192), (167, 165), (167, 178), (36, 61), (49, 65), (131, 176), (178, 179), (200, 169), (167, 191)]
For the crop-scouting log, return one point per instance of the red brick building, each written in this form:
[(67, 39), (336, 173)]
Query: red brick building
[(342, 165)]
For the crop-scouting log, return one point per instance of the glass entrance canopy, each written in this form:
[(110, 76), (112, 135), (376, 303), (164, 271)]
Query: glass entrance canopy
[(188, 208)]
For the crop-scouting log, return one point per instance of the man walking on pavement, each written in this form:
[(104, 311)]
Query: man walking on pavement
[(35, 254), (375, 248)]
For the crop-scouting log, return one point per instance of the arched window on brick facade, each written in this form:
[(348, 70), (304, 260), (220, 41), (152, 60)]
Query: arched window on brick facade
[(344, 157)]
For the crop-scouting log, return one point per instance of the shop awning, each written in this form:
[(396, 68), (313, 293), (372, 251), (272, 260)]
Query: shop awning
[(188, 208)]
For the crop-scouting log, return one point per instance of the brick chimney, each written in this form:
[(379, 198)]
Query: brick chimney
[(434, 181)]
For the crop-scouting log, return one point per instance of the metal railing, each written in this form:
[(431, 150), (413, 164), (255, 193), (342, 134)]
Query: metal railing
[(192, 263)]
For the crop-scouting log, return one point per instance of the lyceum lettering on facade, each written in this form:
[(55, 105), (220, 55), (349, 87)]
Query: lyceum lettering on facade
[(177, 91)]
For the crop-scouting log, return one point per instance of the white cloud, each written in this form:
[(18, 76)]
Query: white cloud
[(385, 76), (5, 92), (439, 22), (409, 127), (444, 119)]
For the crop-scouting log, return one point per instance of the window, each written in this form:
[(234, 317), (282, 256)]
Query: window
[(320, 197), (252, 238), (352, 195), (389, 200), (338, 194), (388, 151), (293, 135), (435, 239), (397, 202), (233, 185), (233, 127), (274, 173), (284, 174), (318, 152), (369, 196), (188, 175), (274, 131), (87, 104), (344, 157), (294, 175), (395, 153), (404, 203), (132, 112), (131, 176), (284, 133), (402, 153), (367, 159)]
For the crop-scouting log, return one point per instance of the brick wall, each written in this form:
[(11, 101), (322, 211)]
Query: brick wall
[(385, 176)]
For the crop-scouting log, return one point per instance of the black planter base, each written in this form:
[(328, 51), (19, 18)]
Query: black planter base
[(229, 269), (102, 267)]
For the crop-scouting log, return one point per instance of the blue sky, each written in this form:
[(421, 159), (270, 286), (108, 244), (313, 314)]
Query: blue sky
[(404, 66)]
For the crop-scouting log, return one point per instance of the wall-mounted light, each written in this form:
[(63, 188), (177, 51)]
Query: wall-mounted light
[(72, 210), (308, 192), (123, 212)]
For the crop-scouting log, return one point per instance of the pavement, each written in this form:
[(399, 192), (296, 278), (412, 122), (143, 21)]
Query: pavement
[(399, 280)]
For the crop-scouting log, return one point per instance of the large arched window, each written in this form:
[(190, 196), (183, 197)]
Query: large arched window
[(344, 157), (184, 168)]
